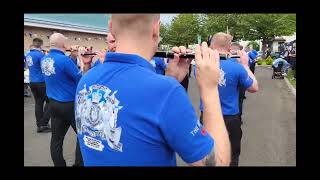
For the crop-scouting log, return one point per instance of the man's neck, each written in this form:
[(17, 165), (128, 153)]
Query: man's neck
[(138, 47), (39, 49), (56, 48), (222, 51), (73, 57)]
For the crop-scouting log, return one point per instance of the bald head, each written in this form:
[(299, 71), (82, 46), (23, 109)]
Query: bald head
[(57, 40), (221, 41)]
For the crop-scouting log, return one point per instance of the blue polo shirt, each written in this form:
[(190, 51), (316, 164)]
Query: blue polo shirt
[(61, 76), (232, 75), (159, 65), (252, 56), (75, 61), (233, 59), (96, 63), (33, 58), (127, 115)]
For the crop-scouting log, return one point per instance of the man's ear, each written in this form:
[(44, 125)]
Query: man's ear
[(110, 28), (156, 30)]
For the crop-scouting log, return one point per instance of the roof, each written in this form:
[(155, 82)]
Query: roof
[(89, 23)]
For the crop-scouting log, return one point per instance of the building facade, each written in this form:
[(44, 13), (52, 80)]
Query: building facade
[(80, 29)]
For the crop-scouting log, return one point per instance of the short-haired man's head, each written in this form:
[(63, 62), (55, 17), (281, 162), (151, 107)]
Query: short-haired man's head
[(236, 45), (37, 42), (247, 49), (132, 22), (136, 27), (58, 40), (111, 41), (221, 41), (74, 50)]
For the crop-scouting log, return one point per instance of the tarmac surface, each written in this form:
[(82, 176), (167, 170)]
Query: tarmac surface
[(269, 129)]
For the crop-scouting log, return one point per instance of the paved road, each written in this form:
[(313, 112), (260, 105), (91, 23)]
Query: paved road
[(269, 129)]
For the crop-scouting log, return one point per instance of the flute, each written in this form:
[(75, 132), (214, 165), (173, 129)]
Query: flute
[(164, 54)]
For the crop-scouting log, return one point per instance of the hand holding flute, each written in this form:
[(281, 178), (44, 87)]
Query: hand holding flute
[(179, 63), (85, 60)]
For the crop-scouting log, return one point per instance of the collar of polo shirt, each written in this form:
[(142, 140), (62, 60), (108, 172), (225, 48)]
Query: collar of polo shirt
[(129, 58), (56, 50)]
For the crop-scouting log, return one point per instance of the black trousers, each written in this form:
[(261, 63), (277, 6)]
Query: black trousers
[(40, 97), (185, 82), (252, 67), (62, 118), (25, 89), (233, 126), (242, 92)]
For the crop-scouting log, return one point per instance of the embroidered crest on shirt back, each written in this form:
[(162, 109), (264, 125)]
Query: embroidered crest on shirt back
[(97, 114), (29, 60), (47, 66), (222, 80)]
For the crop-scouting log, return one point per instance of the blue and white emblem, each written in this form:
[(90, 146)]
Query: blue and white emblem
[(222, 80), (97, 115), (29, 61), (47, 66)]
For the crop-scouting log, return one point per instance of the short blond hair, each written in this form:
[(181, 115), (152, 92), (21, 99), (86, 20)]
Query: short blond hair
[(132, 22), (221, 40)]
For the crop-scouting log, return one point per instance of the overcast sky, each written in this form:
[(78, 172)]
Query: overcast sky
[(166, 18)]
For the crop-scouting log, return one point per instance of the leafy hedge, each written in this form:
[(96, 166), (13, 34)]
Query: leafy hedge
[(269, 60)]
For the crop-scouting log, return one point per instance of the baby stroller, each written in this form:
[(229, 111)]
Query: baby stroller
[(278, 71)]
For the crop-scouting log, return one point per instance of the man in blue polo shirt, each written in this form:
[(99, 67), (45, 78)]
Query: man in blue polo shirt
[(252, 59), (38, 86), (61, 76), (74, 52), (235, 47), (232, 76), (26, 81), (111, 43), (159, 65), (127, 115)]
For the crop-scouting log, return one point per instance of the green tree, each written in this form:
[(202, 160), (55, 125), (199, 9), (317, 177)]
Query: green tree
[(215, 23), (184, 29), (164, 33), (266, 27)]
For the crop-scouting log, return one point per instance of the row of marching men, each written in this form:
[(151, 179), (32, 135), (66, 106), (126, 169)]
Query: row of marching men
[(129, 109)]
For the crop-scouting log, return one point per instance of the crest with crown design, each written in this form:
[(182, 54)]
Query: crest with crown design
[(96, 97)]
